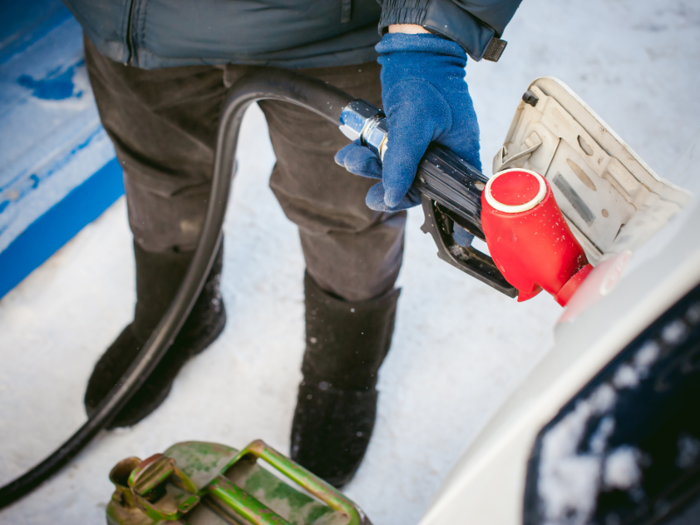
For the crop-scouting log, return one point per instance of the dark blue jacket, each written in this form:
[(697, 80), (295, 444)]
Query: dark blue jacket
[(286, 33)]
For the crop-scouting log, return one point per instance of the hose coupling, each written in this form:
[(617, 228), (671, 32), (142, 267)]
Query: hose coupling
[(366, 122)]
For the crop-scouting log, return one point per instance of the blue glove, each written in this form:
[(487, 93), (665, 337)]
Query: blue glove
[(426, 100)]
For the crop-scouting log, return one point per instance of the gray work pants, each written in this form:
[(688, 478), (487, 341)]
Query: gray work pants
[(163, 124)]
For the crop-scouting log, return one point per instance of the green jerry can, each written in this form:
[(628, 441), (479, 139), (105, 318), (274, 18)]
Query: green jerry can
[(195, 483)]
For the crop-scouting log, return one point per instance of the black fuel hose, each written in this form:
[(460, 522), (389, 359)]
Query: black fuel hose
[(264, 83)]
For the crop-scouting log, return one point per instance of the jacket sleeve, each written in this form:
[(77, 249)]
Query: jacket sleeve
[(476, 25)]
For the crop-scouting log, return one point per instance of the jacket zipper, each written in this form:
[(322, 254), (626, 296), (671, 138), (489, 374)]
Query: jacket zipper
[(345, 11), (129, 46)]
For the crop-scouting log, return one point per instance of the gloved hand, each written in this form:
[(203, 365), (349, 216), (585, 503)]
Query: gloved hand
[(426, 99)]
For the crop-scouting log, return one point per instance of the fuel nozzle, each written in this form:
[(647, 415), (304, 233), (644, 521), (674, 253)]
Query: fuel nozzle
[(528, 237), (531, 246)]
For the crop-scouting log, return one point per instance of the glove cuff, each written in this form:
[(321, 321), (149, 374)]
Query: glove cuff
[(419, 43)]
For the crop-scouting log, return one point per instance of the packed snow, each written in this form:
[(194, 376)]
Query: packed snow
[(573, 472), (621, 470), (688, 451), (568, 481), (460, 347)]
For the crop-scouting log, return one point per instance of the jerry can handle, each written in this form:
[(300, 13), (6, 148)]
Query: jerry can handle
[(302, 477)]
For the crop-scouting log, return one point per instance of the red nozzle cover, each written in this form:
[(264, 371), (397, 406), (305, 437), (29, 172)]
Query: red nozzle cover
[(528, 237)]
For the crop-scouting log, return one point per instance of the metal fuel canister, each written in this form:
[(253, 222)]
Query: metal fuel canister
[(197, 483)]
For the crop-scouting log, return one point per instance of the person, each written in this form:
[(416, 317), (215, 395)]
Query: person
[(160, 71)]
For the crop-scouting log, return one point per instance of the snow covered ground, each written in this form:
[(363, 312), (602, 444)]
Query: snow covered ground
[(460, 348)]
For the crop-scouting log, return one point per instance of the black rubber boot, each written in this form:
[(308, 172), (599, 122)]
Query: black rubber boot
[(346, 343), (158, 276)]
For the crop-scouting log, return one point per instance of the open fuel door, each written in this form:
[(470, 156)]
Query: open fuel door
[(611, 199)]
